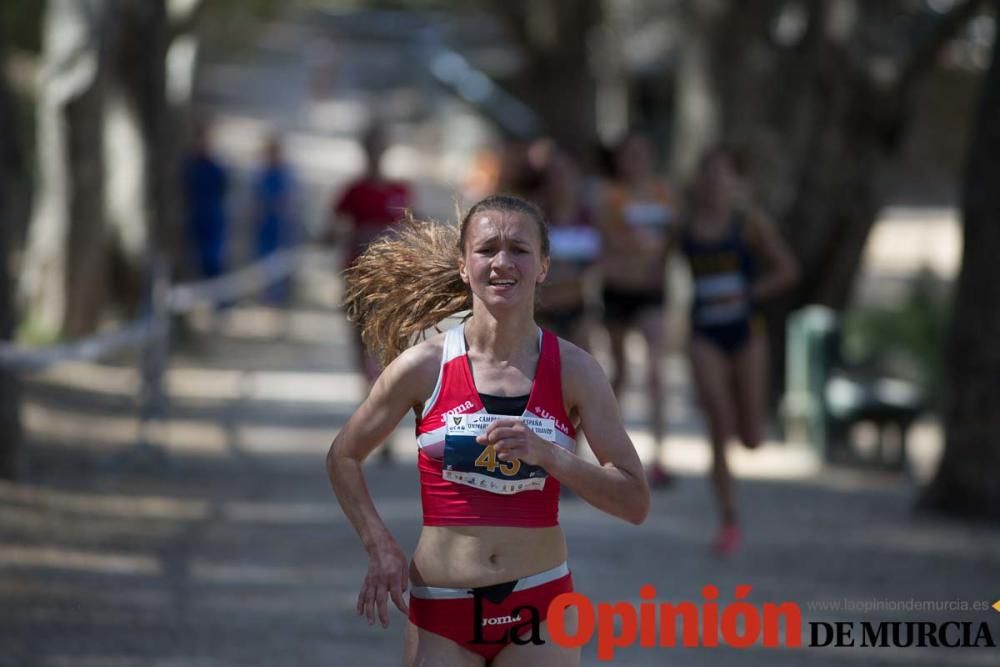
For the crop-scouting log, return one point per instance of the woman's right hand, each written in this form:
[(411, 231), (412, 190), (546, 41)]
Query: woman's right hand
[(387, 578)]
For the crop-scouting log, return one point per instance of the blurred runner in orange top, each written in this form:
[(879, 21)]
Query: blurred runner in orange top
[(639, 213)]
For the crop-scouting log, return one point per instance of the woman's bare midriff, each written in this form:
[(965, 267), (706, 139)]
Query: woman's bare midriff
[(471, 556), (639, 271)]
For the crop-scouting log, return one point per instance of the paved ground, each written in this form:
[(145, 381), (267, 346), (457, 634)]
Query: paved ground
[(232, 551)]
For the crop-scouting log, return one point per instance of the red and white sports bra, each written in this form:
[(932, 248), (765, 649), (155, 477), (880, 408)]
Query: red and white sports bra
[(461, 484)]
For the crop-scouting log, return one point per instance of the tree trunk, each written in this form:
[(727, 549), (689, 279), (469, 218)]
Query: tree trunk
[(968, 480), (557, 80), (63, 284), (137, 106), (109, 162), (696, 124), (10, 165)]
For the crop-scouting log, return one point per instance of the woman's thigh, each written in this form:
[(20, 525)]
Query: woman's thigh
[(549, 654), (712, 374), (750, 370), (652, 326), (427, 649)]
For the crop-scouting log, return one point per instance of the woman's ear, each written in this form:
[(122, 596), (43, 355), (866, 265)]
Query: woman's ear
[(546, 262), (461, 270)]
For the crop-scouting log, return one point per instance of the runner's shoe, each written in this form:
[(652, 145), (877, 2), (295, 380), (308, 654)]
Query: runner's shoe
[(728, 540), (658, 477)]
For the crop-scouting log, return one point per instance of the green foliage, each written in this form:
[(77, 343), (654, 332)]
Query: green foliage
[(906, 340), (230, 25), (21, 24), (419, 5), (32, 332)]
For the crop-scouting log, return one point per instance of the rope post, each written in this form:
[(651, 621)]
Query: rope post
[(153, 399)]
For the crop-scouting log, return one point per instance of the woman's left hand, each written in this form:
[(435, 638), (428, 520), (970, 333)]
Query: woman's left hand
[(512, 439)]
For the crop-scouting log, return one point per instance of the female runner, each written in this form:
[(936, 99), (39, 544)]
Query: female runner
[(637, 227), (491, 541), (738, 259)]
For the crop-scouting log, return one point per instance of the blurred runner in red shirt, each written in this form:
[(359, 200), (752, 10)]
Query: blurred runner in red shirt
[(368, 208)]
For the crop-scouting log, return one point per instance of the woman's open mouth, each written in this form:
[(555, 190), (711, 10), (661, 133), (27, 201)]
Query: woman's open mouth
[(502, 284)]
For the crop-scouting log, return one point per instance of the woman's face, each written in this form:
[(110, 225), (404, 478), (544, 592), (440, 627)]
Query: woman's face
[(502, 261), (561, 179), (635, 159), (716, 179)]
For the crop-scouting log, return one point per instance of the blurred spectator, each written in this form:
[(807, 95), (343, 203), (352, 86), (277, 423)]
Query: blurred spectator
[(515, 167), (484, 175), (205, 183), (575, 244), (369, 207), (520, 168), (639, 211), (727, 243), (371, 204), (274, 193)]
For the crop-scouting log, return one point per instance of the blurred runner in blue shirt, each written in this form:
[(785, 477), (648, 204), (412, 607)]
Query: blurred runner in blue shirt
[(205, 182), (274, 195)]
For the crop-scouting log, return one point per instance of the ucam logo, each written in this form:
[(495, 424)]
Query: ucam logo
[(455, 410)]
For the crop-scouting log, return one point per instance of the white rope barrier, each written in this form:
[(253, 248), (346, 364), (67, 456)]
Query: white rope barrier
[(249, 280), (35, 359), (180, 299)]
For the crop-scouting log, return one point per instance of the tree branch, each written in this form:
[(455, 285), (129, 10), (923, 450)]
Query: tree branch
[(923, 54), (184, 20)]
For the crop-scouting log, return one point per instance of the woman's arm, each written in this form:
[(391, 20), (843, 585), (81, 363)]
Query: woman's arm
[(782, 270), (617, 485), (405, 383)]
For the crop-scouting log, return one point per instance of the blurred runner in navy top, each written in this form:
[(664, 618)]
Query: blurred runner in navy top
[(737, 259)]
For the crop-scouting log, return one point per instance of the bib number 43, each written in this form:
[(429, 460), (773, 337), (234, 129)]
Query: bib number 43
[(488, 460)]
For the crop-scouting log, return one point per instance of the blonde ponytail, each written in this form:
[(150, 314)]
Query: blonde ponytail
[(403, 284)]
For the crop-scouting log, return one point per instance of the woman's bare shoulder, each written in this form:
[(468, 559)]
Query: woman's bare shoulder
[(578, 365), (422, 359)]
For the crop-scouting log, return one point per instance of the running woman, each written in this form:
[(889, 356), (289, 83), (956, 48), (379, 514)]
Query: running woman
[(639, 216), (498, 403), (738, 259), (575, 247)]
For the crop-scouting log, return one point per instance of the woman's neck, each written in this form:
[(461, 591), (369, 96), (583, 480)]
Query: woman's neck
[(716, 209), (640, 184), (501, 339), (563, 209)]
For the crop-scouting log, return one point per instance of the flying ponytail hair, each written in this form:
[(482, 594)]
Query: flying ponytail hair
[(407, 281)]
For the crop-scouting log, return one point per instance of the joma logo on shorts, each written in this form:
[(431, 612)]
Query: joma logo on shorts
[(501, 620), (455, 410)]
